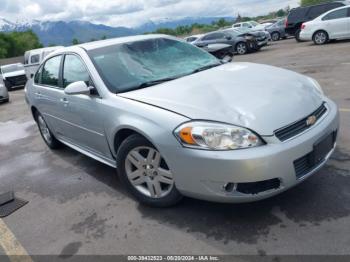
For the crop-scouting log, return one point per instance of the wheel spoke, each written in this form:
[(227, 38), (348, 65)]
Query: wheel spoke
[(138, 181), (137, 173), (156, 160), (165, 176), (136, 159), (151, 188), (150, 156), (157, 188)]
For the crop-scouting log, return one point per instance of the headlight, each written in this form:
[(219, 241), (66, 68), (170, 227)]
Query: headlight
[(216, 136), (316, 85)]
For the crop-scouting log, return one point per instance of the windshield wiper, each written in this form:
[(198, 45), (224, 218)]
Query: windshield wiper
[(155, 82)]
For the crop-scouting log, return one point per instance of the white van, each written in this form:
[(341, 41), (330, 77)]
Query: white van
[(33, 58)]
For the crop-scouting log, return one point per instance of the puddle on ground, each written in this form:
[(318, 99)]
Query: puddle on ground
[(11, 131)]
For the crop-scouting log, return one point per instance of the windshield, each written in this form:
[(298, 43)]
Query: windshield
[(126, 67), (254, 23), (11, 68)]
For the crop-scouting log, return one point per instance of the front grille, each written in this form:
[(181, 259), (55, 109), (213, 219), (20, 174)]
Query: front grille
[(300, 126), (16, 80)]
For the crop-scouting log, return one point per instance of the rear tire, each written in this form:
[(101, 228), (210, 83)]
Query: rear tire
[(297, 36), (45, 132), (275, 36), (320, 37), (145, 174)]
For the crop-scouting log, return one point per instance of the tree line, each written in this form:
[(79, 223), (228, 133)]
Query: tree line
[(16, 43)]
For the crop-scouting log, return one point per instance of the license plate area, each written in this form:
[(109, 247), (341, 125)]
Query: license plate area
[(321, 149)]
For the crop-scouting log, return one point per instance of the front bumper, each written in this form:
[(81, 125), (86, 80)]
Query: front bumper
[(263, 43), (203, 174)]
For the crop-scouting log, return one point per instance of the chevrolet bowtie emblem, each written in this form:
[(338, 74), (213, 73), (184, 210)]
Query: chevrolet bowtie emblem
[(311, 120)]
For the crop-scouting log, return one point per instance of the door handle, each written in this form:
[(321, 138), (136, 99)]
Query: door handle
[(64, 101), (38, 94)]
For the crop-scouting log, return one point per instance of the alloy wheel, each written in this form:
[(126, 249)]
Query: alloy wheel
[(44, 129), (275, 36), (148, 172), (320, 38), (241, 48)]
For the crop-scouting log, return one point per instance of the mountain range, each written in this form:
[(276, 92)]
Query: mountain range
[(62, 32)]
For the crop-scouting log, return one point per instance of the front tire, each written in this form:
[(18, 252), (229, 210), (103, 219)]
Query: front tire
[(320, 37), (241, 48), (145, 174), (45, 133)]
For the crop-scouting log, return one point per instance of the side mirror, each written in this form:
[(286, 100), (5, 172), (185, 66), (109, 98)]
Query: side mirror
[(228, 38), (77, 88)]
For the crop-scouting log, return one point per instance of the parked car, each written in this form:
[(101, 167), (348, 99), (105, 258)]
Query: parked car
[(277, 30), (33, 58), (300, 15), (252, 26), (240, 45), (247, 24), (334, 24), (13, 76), (4, 95), (177, 122), (260, 36), (191, 39)]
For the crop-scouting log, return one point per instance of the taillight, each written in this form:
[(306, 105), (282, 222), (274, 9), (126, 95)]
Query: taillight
[(286, 23), (303, 26)]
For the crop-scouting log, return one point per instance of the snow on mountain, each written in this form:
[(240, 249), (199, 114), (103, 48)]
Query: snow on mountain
[(62, 33)]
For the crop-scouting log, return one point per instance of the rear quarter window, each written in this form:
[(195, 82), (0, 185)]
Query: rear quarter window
[(34, 59)]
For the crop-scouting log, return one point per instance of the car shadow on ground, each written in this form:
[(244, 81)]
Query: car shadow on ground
[(323, 197)]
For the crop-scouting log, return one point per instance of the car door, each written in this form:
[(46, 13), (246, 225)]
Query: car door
[(49, 93), (337, 23), (83, 122)]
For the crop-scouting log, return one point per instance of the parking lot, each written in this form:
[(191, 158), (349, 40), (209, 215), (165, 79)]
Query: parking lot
[(77, 206)]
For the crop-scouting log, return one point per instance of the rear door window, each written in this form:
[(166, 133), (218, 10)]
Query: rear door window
[(214, 36), (34, 59), (342, 13)]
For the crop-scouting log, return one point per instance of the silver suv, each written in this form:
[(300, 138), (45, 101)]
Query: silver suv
[(175, 121)]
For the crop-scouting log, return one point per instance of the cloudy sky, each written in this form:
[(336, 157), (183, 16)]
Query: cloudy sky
[(133, 12)]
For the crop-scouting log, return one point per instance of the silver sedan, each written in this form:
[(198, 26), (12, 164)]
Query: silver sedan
[(175, 121)]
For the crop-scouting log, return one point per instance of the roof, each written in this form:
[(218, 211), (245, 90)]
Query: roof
[(39, 50), (120, 40)]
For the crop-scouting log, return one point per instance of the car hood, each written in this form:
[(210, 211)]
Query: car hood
[(260, 97), (13, 73)]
